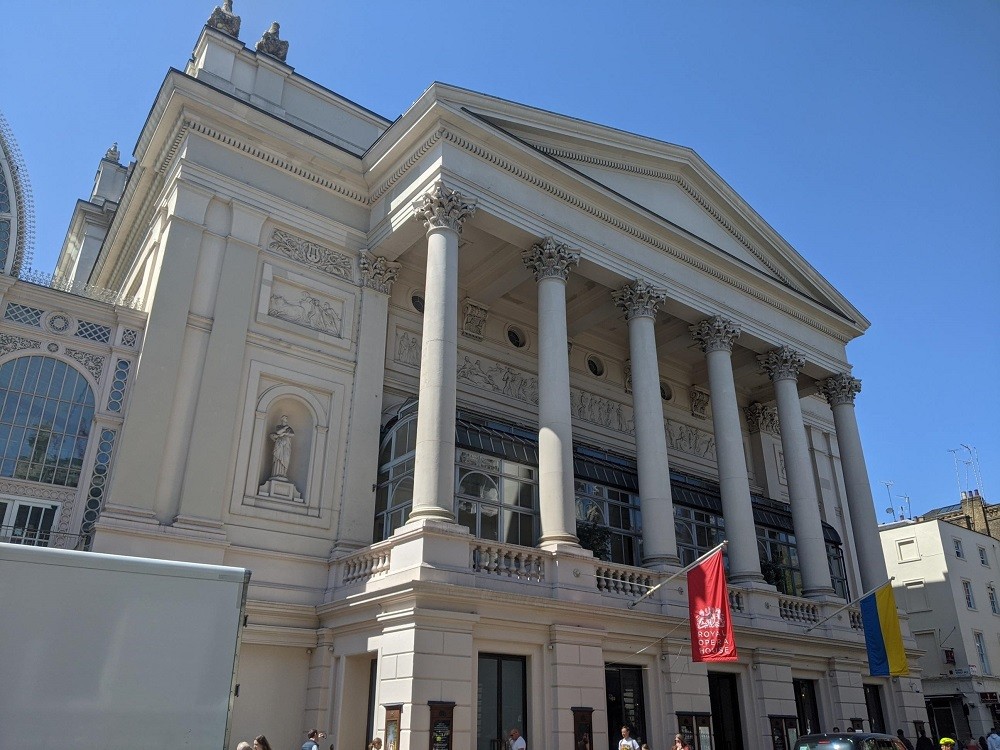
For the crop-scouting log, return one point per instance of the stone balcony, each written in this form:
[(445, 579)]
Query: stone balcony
[(443, 553)]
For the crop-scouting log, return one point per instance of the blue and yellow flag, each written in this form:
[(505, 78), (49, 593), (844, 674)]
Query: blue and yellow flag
[(882, 635)]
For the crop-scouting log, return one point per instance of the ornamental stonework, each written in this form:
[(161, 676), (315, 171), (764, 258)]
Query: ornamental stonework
[(840, 389), (550, 259), (11, 343), (311, 254), (761, 418), (223, 19), (639, 300), (271, 45), (441, 208), (715, 334), (92, 363), (474, 319), (377, 273), (699, 403), (783, 363)]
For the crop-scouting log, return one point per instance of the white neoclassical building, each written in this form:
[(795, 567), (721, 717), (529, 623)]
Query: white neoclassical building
[(458, 388)]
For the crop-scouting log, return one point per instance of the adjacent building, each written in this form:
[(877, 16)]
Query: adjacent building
[(458, 388), (946, 577)]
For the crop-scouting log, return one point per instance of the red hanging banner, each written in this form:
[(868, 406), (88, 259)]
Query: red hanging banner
[(708, 601)]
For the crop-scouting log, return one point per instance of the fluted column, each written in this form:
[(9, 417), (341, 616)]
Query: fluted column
[(551, 262), (840, 391), (716, 337), (639, 301), (443, 213), (782, 365)]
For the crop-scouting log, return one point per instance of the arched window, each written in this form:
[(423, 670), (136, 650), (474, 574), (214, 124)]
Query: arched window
[(46, 410), (394, 495)]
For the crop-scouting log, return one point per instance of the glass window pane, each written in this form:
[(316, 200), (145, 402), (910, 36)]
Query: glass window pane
[(489, 522)]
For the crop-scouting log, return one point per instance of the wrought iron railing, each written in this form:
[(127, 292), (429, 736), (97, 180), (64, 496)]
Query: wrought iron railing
[(79, 288)]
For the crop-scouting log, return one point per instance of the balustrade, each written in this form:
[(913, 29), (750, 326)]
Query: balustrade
[(507, 560), (365, 565)]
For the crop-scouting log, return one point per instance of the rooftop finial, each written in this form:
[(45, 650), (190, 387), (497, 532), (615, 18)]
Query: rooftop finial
[(271, 45), (112, 154), (223, 19)]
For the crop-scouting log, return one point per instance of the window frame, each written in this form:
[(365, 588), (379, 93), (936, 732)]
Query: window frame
[(970, 596), (959, 549), (982, 652)]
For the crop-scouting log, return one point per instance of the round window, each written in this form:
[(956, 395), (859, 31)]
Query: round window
[(516, 337), (418, 303), (666, 392), (595, 365)]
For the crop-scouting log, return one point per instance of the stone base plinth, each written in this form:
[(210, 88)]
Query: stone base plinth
[(281, 489)]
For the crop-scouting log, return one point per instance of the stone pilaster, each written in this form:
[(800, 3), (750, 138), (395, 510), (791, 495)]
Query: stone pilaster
[(782, 366), (443, 212), (716, 336), (840, 391), (550, 262), (639, 301)]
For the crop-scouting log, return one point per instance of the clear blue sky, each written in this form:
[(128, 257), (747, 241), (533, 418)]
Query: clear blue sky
[(866, 133)]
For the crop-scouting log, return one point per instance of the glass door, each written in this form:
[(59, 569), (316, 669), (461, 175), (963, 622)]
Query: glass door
[(502, 700)]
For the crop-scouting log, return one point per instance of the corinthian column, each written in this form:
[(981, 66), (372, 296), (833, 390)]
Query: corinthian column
[(551, 262), (640, 301), (840, 391), (443, 213), (716, 337), (782, 365)]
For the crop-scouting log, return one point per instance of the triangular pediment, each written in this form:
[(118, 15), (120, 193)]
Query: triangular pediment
[(669, 182)]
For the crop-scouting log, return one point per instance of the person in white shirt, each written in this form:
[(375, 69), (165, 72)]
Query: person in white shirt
[(627, 743), (993, 739), (516, 741)]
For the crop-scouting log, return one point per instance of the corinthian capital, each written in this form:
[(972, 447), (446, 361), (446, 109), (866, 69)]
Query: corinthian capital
[(377, 273), (549, 258), (840, 389), (783, 363), (441, 208), (639, 299), (716, 334)]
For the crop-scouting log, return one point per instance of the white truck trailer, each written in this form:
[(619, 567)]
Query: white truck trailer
[(110, 652)]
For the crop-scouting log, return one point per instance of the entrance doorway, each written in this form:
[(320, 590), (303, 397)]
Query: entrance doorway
[(876, 716), (724, 693), (502, 700), (806, 706), (626, 704)]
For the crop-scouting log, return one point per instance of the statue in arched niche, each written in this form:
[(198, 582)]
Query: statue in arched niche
[(281, 453)]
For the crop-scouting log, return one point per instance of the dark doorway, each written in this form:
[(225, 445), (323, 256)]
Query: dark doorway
[(806, 706), (626, 704), (503, 702), (723, 689), (876, 717)]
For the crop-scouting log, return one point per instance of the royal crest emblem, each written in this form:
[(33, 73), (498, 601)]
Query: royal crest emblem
[(709, 617)]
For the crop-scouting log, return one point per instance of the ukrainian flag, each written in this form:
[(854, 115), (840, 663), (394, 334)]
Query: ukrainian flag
[(882, 635)]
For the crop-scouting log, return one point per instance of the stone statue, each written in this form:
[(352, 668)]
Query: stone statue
[(271, 45), (223, 19), (282, 452)]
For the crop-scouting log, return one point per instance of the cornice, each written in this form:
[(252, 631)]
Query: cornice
[(686, 186)]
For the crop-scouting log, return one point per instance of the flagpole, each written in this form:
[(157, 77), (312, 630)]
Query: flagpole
[(849, 604), (680, 572)]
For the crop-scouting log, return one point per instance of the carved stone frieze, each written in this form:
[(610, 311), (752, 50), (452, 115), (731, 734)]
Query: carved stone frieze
[(93, 363), (715, 334), (479, 461), (441, 208), (612, 415), (699, 403), (377, 273), (840, 389), (306, 310), (550, 259), (271, 45), (627, 374), (783, 363), (311, 254), (639, 299), (499, 378), (761, 418), (11, 343), (474, 319), (407, 349), (223, 19), (687, 439), (37, 491)]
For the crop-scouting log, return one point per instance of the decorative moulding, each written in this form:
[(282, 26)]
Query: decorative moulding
[(311, 254)]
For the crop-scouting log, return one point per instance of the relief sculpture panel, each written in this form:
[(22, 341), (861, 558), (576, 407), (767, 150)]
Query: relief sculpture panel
[(306, 309)]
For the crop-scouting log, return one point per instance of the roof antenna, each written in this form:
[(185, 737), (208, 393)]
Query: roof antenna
[(908, 511), (890, 510), (958, 477), (975, 467)]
